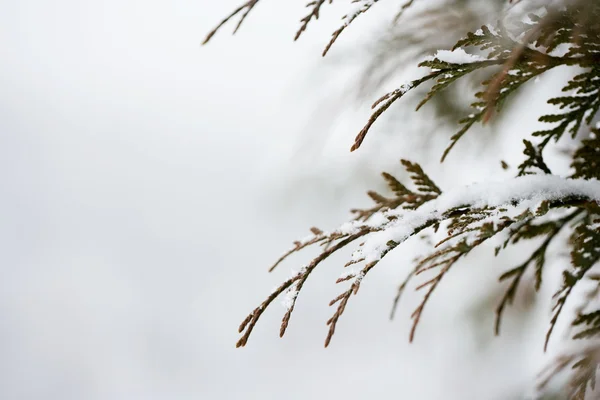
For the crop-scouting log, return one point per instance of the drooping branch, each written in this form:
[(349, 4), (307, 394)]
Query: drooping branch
[(538, 258), (584, 363), (348, 19), (315, 9), (474, 214)]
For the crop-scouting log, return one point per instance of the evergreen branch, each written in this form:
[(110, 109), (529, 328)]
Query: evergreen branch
[(400, 291), (537, 258), (382, 104), (298, 280), (315, 8), (432, 284), (308, 270), (534, 159), (250, 321), (584, 377), (448, 73), (468, 216), (244, 9), (451, 254), (591, 321), (585, 160), (585, 253), (469, 121), (584, 364), (403, 9), (404, 197), (342, 301), (421, 180), (317, 237), (348, 19), (515, 72), (581, 108), (514, 234), (494, 89), (519, 62)]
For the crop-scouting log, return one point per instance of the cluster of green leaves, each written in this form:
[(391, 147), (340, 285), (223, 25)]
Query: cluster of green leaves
[(585, 253), (586, 160), (403, 197)]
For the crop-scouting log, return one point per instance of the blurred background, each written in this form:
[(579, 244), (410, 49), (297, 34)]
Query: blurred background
[(147, 183)]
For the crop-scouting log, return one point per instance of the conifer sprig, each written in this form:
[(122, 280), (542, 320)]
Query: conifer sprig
[(583, 365), (581, 107), (315, 9), (403, 197), (468, 225), (442, 260), (364, 6), (530, 230), (585, 159), (405, 6), (244, 10), (585, 253)]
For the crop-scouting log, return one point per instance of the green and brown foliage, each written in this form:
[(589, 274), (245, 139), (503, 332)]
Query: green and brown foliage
[(508, 53)]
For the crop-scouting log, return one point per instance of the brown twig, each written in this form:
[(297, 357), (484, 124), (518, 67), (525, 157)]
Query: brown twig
[(314, 13), (245, 8)]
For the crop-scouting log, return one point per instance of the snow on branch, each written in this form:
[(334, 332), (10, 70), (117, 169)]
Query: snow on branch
[(363, 7), (527, 192), (456, 56), (473, 214), (507, 54)]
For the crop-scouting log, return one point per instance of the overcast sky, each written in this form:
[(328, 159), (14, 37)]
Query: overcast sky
[(146, 185)]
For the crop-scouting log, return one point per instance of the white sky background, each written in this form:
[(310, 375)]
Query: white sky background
[(146, 185)]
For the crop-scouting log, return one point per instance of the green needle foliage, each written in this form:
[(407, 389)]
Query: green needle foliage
[(534, 205)]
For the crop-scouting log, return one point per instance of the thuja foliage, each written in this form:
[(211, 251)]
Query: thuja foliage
[(536, 205)]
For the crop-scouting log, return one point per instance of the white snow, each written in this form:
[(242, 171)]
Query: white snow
[(359, 8), (493, 31), (457, 56), (290, 297), (527, 192), (405, 87), (358, 279), (348, 272)]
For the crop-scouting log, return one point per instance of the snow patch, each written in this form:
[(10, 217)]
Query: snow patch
[(516, 195), (457, 56)]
